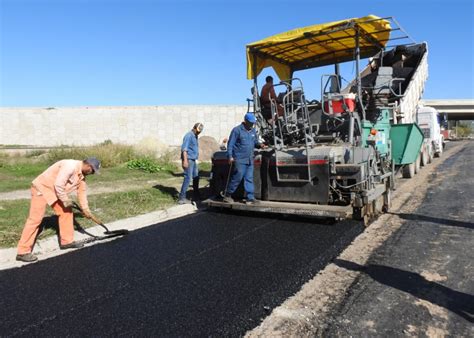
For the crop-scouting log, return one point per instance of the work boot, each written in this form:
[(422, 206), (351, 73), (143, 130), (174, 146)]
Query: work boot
[(28, 258), (73, 245), (182, 201), (196, 194), (227, 199)]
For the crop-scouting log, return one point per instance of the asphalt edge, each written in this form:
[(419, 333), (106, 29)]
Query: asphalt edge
[(49, 247)]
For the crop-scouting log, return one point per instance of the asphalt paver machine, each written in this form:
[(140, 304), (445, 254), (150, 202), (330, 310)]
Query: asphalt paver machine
[(336, 156)]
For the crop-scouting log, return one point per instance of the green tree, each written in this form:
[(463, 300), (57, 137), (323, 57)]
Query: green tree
[(464, 129)]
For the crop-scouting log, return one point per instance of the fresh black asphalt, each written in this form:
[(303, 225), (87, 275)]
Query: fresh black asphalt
[(207, 274), (394, 295)]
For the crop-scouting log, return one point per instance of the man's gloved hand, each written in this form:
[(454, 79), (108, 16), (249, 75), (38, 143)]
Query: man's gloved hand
[(67, 204)]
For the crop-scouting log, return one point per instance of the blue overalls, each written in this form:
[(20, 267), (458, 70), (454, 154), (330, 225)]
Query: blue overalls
[(191, 146), (240, 147)]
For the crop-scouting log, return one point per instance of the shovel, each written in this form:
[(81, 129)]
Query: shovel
[(223, 192), (108, 233)]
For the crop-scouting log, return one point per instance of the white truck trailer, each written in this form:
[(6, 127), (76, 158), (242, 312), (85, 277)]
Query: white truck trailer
[(428, 121)]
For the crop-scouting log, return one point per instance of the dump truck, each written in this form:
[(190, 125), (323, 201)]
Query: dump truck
[(335, 156)]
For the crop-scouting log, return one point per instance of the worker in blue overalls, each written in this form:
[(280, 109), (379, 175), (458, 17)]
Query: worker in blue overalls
[(240, 147), (189, 156)]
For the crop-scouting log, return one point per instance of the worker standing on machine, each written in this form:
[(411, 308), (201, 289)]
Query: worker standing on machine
[(52, 187), (240, 147), (267, 95)]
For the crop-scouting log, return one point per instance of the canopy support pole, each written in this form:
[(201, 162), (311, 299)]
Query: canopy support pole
[(336, 81), (359, 85), (256, 101)]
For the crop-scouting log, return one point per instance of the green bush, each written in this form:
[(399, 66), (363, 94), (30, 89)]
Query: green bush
[(146, 164), (464, 130)]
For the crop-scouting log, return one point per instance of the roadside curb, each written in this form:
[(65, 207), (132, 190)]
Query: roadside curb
[(49, 247)]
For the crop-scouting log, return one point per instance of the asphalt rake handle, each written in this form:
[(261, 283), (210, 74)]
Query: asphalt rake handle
[(108, 233)]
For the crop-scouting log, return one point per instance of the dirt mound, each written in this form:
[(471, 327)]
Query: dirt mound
[(207, 146)]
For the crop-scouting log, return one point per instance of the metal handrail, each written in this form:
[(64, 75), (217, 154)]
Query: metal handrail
[(292, 117)]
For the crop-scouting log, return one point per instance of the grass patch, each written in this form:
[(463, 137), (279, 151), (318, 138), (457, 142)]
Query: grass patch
[(19, 176), (122, 174), (107, 207), (205, 166), (17, 171), (12, 218), (114, 206)]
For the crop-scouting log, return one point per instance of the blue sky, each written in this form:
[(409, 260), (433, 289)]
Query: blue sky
[(144, 52)]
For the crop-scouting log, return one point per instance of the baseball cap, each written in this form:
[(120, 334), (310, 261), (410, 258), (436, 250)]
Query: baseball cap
[(250, 117), (94, 163)]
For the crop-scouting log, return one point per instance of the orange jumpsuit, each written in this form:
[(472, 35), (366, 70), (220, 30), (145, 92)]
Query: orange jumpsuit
[(52, 188)]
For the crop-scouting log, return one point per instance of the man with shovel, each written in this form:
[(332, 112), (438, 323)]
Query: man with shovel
[(52, 187)]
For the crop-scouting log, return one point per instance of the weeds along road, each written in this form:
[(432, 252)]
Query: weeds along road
[(204, 274)]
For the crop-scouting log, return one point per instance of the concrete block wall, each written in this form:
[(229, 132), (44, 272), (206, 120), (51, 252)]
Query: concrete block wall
[(79, 126)]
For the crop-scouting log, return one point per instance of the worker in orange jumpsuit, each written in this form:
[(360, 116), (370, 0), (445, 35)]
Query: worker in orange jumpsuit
[(52, 188)]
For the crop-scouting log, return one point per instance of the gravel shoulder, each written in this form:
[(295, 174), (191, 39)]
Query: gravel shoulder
[(318, 308)]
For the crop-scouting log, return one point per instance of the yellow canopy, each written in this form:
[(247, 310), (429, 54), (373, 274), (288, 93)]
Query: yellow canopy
[(317, 45)]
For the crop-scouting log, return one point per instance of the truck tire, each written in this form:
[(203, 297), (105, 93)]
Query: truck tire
[(408, 170), (424, 158), (439, 153), (418, 164)]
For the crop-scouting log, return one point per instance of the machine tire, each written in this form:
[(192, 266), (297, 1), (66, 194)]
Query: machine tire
[(408, 170), (430, 156), (439, 153), (418, 164)]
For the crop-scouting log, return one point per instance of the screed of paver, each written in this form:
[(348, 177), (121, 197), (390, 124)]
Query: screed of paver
[(318, 297)]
